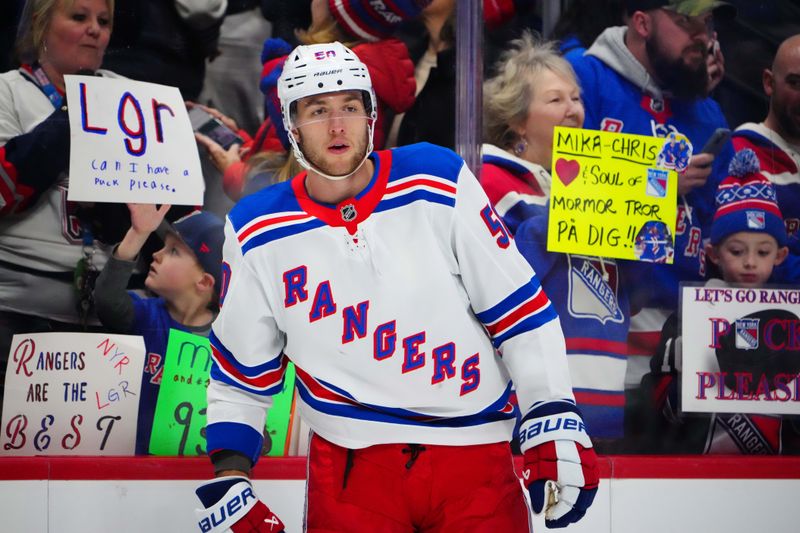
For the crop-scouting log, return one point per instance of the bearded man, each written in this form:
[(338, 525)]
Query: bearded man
[(650, 77)]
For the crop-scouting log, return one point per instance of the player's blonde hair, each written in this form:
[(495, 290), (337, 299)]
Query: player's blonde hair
[(508, 94)]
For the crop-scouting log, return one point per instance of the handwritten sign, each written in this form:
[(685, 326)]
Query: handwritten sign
[(180, 417), (741, 350), (609, 198), (131, 142), (72, 394)]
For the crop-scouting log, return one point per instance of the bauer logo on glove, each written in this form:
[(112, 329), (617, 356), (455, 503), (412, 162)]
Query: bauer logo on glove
[(561, 470), (232, 505)]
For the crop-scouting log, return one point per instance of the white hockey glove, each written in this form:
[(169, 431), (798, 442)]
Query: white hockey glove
[(560, 464), (231, 505)]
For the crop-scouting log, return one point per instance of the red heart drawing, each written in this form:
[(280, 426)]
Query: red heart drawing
[(567, 170)]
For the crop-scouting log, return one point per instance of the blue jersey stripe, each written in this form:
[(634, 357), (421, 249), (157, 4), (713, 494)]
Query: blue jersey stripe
[(529, 324), (492, 413), (280, 233), (419, 194), (234, 436), (272, 364), (218, 375), (514, 300), (599, 353)]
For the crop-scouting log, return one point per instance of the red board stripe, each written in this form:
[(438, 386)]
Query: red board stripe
[(169, 468)]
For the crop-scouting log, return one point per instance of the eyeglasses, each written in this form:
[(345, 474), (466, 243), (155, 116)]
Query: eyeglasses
[(692, 25)]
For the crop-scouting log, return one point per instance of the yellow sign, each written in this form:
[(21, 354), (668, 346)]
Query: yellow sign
[(614, 195)]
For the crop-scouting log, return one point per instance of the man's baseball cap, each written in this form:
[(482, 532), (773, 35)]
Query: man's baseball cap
[(204, 233), (690, 8)]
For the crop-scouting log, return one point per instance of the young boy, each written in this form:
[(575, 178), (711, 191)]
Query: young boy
[(748, 239), (185, 277)]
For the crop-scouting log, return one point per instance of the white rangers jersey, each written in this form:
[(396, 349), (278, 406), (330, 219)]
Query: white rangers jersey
[(407, 311)]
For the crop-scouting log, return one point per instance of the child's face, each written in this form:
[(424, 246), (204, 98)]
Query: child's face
[(747, 258), (174, 270)]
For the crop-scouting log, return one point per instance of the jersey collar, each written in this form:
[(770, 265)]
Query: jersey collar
[(348, 213)]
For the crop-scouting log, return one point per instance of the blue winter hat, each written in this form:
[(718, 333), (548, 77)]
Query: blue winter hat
[(746, 201), (204, 233)]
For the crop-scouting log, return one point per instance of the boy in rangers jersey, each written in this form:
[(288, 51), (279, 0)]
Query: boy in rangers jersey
[(185, 277), (400, 297)]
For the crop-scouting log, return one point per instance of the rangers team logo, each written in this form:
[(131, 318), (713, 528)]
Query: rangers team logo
[(657, 182), (747, 333), (348, 212), (593, 289), (756, 219)]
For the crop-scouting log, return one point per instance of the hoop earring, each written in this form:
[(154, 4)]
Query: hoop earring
[(521, 146)]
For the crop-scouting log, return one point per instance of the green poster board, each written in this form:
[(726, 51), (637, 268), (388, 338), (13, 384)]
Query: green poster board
[(180, 417)]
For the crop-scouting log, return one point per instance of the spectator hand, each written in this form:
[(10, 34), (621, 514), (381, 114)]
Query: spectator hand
[(715, 64), (145, 218), (560, 469), (232, 505), (228, 121), (696, 173), (220, 158)]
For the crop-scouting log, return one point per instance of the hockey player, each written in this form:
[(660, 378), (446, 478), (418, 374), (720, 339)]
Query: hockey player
[(399, 295)]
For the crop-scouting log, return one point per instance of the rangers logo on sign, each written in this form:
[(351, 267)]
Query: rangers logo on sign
[(348, 212), (747, 333), (657, 182)]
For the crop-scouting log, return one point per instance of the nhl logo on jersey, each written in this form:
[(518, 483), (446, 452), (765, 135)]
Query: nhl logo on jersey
[(756, 219), (348, 212), (747, 333)]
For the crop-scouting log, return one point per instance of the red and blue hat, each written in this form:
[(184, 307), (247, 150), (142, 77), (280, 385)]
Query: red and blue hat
[(373, 20), (204, 233), (746, 201)]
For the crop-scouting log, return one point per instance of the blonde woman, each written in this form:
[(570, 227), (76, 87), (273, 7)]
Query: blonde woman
[(41, 237), (534, 91)]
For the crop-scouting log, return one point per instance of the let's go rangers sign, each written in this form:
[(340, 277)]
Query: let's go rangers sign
[(741, 349)]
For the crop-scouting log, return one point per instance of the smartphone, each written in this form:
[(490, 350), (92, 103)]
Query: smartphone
[(205, 123), (717, 140)]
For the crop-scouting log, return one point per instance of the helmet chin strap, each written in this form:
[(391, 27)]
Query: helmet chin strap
[(301, 158)]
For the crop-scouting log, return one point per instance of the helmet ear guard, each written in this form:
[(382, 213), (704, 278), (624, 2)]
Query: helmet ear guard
[(318, 69)]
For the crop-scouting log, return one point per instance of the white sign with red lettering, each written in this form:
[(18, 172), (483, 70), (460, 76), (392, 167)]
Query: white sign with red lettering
[(72, 394), (741, 349), (131, 141)]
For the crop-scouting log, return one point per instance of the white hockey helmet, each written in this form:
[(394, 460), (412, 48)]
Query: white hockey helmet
[(318, 69)]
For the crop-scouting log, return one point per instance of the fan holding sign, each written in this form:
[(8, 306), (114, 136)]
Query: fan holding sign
[(516, 174), (753, 353), (42, 243)]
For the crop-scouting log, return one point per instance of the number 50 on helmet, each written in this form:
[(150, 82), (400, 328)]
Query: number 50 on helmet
[(323, 68)]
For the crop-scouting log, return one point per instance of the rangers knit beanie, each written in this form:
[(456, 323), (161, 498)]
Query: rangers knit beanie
[(746, 201), (273, 56), (373, 20)]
